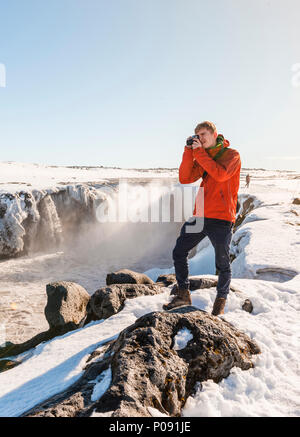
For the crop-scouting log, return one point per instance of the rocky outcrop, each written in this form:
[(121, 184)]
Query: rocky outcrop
[(296, 201), (66, 310), (7, 364), (166, 280), (125, 276), (195, 282), (67, 302), (149, 369), (12, 349), (246, 206), (69, 307), (198, 283), (110, 300)]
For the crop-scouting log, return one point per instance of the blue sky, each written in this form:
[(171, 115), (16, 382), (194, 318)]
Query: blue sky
[(124, 82)]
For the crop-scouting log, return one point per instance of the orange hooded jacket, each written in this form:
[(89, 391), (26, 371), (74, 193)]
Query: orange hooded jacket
[(221, 184)]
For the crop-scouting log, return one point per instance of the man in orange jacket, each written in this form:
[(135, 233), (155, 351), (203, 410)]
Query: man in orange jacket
[(210, 158)]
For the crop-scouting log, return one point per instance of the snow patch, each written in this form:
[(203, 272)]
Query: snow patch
[(156, 413), (103, 383), (182, 338)]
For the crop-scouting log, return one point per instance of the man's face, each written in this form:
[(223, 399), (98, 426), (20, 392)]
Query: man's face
[(207, 138)]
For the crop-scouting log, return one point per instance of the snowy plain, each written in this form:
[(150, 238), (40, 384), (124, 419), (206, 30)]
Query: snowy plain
[(18, 175), (266, 270)]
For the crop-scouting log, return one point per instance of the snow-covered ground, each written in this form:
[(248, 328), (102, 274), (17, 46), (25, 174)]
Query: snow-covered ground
[(17, 175), (269, 389), (266, 269)]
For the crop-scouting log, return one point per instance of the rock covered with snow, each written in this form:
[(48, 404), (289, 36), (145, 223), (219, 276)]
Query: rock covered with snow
[(126, 276), (149, 369), (16, 210), (157, 362), (259, 244), (67, 303)]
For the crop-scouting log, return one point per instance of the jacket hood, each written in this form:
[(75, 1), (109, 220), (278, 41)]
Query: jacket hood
[(222, 143)]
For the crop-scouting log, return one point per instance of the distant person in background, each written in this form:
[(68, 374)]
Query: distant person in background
[(247, 181), (207, 155)]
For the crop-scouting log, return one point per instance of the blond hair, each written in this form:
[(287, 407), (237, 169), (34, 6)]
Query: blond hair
[(207, 125)]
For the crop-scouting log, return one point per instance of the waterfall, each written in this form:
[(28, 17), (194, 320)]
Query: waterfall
[(41, 220)]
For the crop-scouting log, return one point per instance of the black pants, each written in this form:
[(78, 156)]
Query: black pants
[(219, 232)]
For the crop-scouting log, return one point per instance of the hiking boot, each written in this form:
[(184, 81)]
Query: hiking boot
[(174, 290), (182, 298), (219, 306)]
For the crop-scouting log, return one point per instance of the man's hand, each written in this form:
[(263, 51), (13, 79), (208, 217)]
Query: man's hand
[(189, 147), (196, 144)]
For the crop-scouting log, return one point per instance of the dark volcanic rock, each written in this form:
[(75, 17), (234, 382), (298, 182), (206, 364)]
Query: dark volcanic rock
[(247, 306), (3, 209), (166, 280), (201, 283), (196, 283), (110, 300), (66, 310), (148, 372), (7, 364), (12, 349), (67, 302), (126, 276)]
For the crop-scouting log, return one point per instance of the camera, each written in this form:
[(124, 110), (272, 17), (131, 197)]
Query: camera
[(189, 141)]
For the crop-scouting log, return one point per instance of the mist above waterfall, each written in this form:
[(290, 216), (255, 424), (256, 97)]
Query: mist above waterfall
[(138, 241)]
